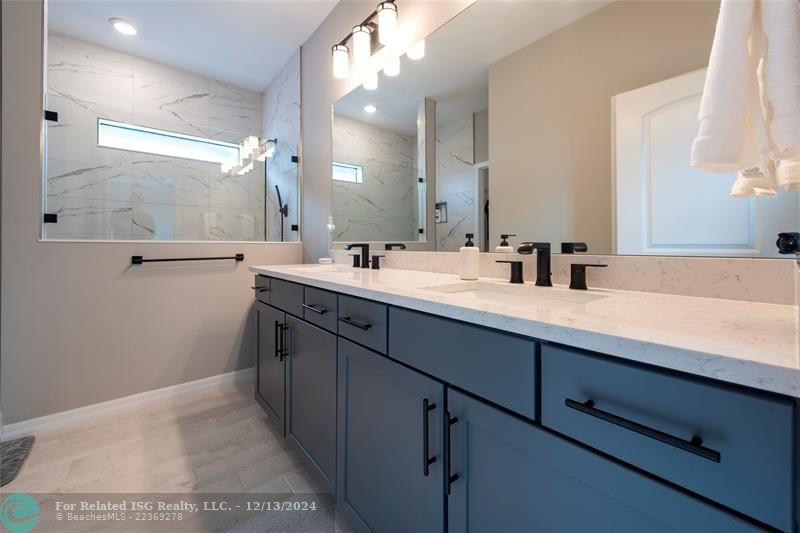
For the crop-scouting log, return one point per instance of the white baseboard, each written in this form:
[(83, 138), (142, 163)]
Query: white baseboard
[(56, 421)]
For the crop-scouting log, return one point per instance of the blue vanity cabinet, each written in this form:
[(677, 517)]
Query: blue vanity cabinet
[(390, 464), (270, 367), (513, 476), (311, 395)]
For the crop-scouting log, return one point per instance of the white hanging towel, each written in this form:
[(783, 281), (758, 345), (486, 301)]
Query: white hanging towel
[(750, 110)]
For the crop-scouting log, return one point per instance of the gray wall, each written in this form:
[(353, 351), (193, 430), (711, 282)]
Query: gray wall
[(79, 325), (550, 113), (321, 90)]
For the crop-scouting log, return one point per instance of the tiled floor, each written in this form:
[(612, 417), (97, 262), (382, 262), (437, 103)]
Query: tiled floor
[(212, 442)]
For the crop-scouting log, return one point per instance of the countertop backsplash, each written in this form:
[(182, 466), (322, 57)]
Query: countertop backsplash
[(774, 281)]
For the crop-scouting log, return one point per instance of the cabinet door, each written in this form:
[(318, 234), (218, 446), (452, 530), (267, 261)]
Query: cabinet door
[(311, 393), (515, 477), (390, 462), (270, 371)]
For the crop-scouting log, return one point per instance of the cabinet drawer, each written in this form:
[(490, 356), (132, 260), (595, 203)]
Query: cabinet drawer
[(363, 321), (509, 475), (286, 296), (319, 308), (649, 418), (498, 367), (261, 288)]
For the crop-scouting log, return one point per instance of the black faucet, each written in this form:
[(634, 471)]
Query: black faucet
[(572, 247), (364, 252), (577, 277), (393, 245), (543, 278)]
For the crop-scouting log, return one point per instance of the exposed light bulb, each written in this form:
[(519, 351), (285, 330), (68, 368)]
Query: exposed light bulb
[(369, 108), (392, 67), (371, 81), (387, 22), (123, 26), (341, 61), (362, 47), (417, 51)]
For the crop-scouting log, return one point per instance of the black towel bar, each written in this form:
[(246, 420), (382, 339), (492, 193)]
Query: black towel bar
[(138, 259)]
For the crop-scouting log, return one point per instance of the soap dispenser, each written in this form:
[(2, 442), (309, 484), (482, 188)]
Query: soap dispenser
[(504, 247), (470, 259)]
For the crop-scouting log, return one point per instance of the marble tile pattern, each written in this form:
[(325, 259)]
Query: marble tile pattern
[(102, 193), (281, 120), (384, 206), (455, 182), (747, 279), (748, 343)]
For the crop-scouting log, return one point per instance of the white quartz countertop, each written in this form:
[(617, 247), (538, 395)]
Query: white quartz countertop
[(748, 343)]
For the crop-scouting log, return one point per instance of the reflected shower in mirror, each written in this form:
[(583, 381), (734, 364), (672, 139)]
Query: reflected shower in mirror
[(554, 121)]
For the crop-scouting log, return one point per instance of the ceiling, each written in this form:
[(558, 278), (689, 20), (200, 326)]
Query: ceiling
[(455, 69), (243, 42)]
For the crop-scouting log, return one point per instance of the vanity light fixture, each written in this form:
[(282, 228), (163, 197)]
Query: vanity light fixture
[(387, 22), (362, 47), (341, 61), (122, 26), (381, 22), (369, 108), (417, 51), (371, 81), (392, 67)]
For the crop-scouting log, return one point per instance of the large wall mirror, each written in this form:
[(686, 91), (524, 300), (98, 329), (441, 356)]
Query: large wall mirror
[(558, 121), (157, 135)]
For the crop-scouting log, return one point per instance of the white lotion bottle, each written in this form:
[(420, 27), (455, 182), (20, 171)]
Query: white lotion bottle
[(470, 259)]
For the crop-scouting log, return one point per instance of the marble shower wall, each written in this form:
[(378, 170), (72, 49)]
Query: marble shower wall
[(281, 120), (103, 193), (455, 182), (384, 206)]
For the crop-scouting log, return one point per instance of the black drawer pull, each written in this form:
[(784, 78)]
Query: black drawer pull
[(318, 310), (260, 289), (448, 423), (277, 339), (355, 323), (284, 350), (426, 461), (695, 445)]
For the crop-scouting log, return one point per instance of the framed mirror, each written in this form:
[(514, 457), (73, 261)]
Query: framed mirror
[(555, 121)]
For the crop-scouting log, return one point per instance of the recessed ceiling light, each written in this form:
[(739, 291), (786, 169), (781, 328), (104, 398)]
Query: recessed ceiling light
[(123, 26), (369, 108)]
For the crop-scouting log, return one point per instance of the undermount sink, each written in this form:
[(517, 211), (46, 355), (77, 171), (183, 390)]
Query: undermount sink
[(518, 295)]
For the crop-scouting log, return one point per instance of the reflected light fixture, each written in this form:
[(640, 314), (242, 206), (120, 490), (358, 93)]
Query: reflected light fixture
[(369, 108), (341, 61), (392, 67), (371, 81), (417, 51), (122, 26), (387, 22), (362, 46)]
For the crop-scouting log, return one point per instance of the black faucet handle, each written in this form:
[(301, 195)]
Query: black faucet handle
[(577, 278), (375, 263), (356, 260), (788, 243), (516, 271), (393, 245), (572, 247)]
